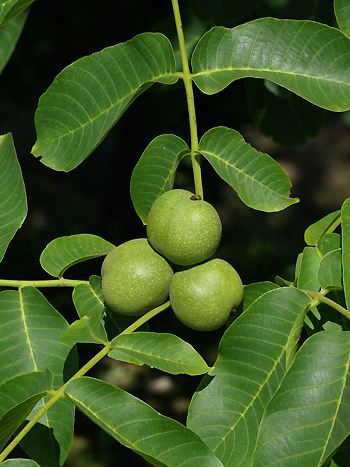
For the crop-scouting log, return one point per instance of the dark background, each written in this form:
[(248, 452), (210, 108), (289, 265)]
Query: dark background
[(94, 198)]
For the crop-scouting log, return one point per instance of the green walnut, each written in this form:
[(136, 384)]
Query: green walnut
[(202, 297), (183, 228), (135, 278)]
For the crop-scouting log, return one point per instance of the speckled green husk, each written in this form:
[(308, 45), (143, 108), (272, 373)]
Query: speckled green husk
[(135, 278), (203, 297), (184, 230)]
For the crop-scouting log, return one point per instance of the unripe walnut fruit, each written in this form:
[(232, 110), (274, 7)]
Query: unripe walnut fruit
[(202, 297), (184, 229), (135, 278)]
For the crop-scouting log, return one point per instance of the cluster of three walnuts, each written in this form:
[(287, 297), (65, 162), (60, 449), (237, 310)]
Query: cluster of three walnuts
[(185, 230)]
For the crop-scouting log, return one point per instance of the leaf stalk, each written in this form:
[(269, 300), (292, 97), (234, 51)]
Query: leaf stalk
[(187, 79), (59, 393)]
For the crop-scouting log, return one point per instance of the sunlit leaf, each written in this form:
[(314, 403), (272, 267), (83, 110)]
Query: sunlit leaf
[(308, 58), (13, 201), (154, 173), (315, 231), (89, 96), (254, 355), (308, 417), (259, 181), (345, 226), (138, 426), (64, 252), (342, 13), (159, 350)]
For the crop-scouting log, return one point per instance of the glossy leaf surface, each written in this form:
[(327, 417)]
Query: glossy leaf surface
[(64, 252), (305, 57), (254, 355), (308, 417), (253, 291), (259, 181), (13, 201), (20, 463), (155, 171), (166, 352), (89, 96), (138, 426)]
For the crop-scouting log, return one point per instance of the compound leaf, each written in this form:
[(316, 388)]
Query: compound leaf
[(308, 417), (155, 171), (64, 252), (89, 96), (138, 426), (342, 13), (308, 58), (13, 201), (254, 354), (159, 350), (259, 181)]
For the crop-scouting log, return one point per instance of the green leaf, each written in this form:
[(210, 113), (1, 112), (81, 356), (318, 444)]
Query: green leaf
[(64, 252), (259, 181), (345, 226), (155, 171), (11, 8), (278, 113), (20, 463), (254, 355), (308, 417), (13, 201), (253, 291), (310, 59), (18, 397), (49, 441), (89, 96), (310, 262), (342, 13), (9, 35), (88, 301), (330, 270), (159, 350), (138, 426), (31, 329), (327, 224), (328, 242), (5, 7)]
